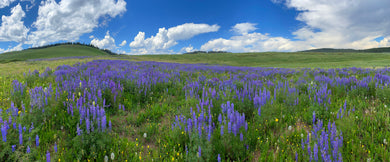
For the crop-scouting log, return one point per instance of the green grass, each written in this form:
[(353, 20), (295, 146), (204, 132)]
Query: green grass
[(264, 59), (278, 59), (364, 130), (51, 52)]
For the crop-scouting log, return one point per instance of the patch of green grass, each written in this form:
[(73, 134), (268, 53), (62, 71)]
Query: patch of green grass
[(51, 52), (278, 59)]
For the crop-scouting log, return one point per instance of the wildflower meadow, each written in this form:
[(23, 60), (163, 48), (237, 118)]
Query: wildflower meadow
[(119, 110)]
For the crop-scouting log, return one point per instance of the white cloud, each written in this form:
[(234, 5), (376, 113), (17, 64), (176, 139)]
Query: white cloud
[(166, 38), (107, 43), (5, 3), (331, 23), (123, 43), (190, 48), (244, 28), (12, 27), (69, 19), (189, 30), (29, 7), (252, 42), (343, 23), (16, 48)]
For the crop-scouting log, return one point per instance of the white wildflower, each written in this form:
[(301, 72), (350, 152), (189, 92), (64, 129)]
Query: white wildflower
[(301, 135), (384, 141), (290, 128), (112, 156), (106, 158), (145, 135)]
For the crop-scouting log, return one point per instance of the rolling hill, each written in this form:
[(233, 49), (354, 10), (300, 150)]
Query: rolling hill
[(333, 50), (63, 50)]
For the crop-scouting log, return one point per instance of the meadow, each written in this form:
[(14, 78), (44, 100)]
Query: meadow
[(129, 108)]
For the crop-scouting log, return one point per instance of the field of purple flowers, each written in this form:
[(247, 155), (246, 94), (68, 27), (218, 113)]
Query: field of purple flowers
[(115, 110)]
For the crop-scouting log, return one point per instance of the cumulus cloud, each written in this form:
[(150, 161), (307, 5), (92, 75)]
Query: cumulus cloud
[(332, 23), (5, 3), (123, 43), (166, 38), (16, 48), (107, 43), (12, 27), (189, 48), (343, 23), (69, 19), (252, 42), (244, 28)]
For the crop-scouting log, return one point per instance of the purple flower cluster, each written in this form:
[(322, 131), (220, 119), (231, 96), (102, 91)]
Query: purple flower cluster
[(18, 88), (40, 96), (323, 142), (201, 123), (233, 119)]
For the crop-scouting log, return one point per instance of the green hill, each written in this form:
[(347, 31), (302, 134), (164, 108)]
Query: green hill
[(333, 50), (64, 50)]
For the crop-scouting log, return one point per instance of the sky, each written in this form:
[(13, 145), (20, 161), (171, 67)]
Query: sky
[(177, 26)]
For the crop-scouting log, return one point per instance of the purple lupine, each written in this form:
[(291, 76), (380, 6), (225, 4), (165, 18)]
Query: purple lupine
[(48, 156), (199, 152), (221, 130), (87, 125), (20, 129), (315, 152), (4, 132), (37, 140), (241, 137), (13, 148), (109, 125), (78, 130), (219, 158), (28, 149), (20, 139), (32, 127), (103, 123), (314, 117), (55, 147)]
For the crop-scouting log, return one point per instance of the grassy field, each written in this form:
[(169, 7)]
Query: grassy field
[(111, 108), (51, 52), (265, 59), (277, 59)]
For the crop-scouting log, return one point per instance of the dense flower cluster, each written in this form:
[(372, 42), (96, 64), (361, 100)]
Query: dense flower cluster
[(222, 101)]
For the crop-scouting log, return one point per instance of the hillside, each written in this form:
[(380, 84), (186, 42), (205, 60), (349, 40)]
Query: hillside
[(278, 59), (263, 59), (333, 50), (65, 50)]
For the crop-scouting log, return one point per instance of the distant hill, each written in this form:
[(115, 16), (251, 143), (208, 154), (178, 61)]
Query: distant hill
[(333, 50), (54, 51), (200, 52)]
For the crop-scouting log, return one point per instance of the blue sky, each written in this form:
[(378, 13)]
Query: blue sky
[(177, 26)]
